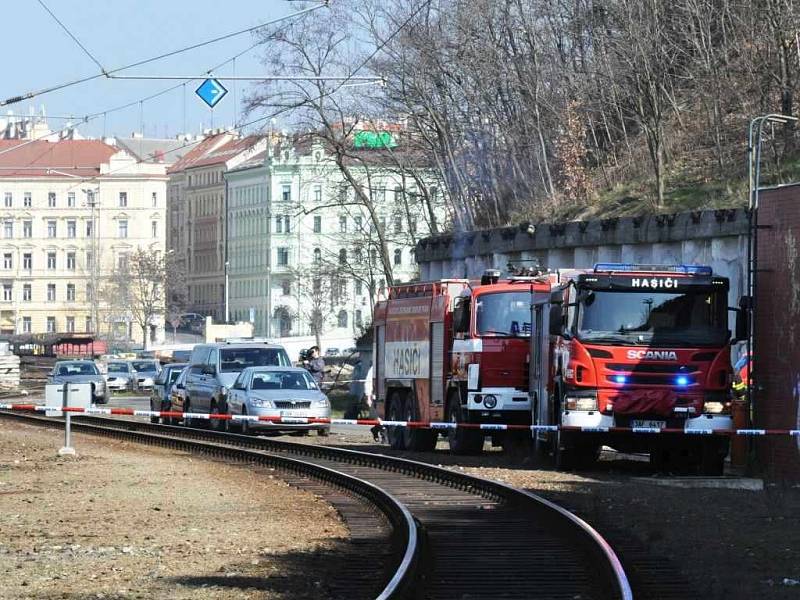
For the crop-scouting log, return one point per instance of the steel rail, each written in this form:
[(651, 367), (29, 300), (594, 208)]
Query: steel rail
[(579, 534), (396, 513)]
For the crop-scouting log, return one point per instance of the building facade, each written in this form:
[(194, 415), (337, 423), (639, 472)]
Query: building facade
[(305, 255), (197, 216), (72, 211)]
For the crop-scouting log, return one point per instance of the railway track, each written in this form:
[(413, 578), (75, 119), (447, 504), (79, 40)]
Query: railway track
[(452, 535)]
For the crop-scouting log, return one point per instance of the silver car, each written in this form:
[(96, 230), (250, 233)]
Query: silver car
[(120, 376), (279, 392), (147, 371), (81, 371)]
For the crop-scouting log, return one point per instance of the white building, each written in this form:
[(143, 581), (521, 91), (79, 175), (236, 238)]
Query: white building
[(300, 242), (71, 211)]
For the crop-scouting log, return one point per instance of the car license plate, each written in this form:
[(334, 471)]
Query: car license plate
[(648, 423), (292, 413)]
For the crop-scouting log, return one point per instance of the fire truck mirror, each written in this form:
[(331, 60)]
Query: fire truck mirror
[(461, 316), (746, 303), (742, 325), (556, 320)]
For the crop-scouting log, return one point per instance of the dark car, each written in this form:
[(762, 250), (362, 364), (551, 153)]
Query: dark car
[(162, 388)]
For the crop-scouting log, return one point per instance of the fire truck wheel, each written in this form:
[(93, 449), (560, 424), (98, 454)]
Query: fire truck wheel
[(419, 440), (397, 439), (462, 441), (712, 457)]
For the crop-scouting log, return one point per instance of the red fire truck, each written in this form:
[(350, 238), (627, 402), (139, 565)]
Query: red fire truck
[(641, 347), (456, 350)]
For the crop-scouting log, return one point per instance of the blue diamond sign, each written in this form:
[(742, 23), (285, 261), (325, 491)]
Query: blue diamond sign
[(211, 92)]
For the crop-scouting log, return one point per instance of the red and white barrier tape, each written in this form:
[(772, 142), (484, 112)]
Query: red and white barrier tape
[(372, 422)]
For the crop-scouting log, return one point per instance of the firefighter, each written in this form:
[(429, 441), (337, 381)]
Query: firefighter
[(378, 431), (741, 374)]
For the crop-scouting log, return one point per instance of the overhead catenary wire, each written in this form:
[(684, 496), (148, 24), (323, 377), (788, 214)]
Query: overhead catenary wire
[(71, 35), (108, 73)]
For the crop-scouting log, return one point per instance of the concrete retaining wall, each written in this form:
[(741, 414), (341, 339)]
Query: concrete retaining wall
[(713, 237)]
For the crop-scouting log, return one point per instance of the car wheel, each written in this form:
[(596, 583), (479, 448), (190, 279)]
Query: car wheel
[(220, 425), (246, 429), (187, 407), (324, 432)]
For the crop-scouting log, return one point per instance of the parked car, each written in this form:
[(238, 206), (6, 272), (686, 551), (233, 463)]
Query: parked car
[(214, 367), (162, 388), (177, 395), (120, 376), (278, 392), (331, 352), (80, 371), (146, 372)]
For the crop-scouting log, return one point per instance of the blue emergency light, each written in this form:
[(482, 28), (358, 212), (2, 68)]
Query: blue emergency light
[(631, 267), (682, 380), (621, 378)]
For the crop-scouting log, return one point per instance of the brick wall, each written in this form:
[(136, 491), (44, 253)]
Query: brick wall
[(777, 329)]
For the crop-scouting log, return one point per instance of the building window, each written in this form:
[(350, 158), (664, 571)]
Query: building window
[(382, 194), (154, 228), (287, 228), (359, 319), (398, 224), (70, 292), (27, 229), (26, 292), (342, 224), (89, 293), (71, 199), (8, 200), (26, 200), (283, 257), (72, 228), (8, 229), (398, 257), (286, 193), (412, 224), (26, 325), (382, 224), (317, 224), (123, 228), (88, 326), (122, 262), (8, 292), (123, 199), (359, 287), (398, 193), (51, 260), (317, 193), (89, 229), (71, 324), (342, 256), (8, 261), (317, 255), (316, 285), (286, 286), (359, 223), (51, 324), (154, 199), (342, 318), (27, 261), (51, 292), (51, 199), (89, 259), (278, 224), (71, 261), (51, 229)]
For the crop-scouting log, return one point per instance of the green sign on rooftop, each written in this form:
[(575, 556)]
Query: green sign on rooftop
[(374, 139)]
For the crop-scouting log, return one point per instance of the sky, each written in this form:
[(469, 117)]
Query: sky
[(37, 53)]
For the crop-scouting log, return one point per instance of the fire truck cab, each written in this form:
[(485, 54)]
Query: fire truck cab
[(643, 348)]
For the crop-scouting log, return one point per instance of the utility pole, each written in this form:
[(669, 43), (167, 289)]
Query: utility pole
[(92, 202)]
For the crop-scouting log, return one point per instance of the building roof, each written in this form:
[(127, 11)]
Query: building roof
[(226, 152), (257, 160), (160, 151), (25, 158)]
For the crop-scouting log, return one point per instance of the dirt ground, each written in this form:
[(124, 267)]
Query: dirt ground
[(726, 543), (128, 521)]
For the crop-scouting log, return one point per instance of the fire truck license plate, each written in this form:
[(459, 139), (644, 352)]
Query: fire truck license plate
[(648, 423)]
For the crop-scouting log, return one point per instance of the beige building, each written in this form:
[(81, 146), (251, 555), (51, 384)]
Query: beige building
[(197, 223), (71, 211)]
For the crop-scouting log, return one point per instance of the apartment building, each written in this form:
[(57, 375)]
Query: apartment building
[(300, 243), (72, 210), (197, 221)]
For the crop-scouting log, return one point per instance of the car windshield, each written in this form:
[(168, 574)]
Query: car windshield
[(77, 369), (144, 365), (233, 360), (654, 318), (282, 380), (504, 314), (118, 368)]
